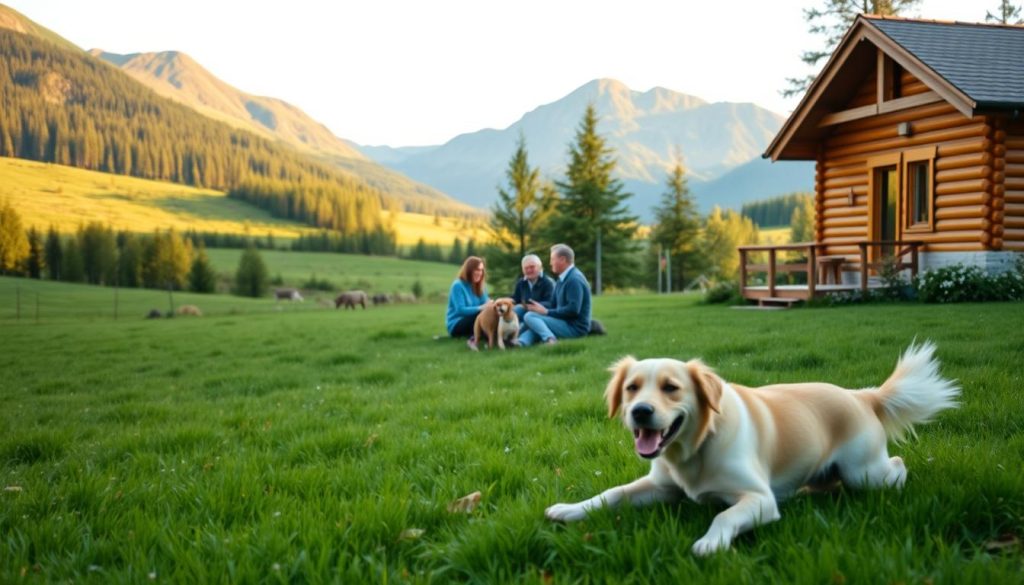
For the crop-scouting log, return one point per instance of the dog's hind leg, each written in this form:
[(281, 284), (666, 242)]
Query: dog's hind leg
[(865, 462)]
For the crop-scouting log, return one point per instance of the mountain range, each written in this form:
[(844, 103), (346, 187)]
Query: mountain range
[(719, 144)]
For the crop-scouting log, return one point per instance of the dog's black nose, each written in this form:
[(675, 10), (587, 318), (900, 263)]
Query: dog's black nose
[(642, 413)]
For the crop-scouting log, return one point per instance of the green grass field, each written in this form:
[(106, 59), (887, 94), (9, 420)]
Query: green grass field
[(305, 445)]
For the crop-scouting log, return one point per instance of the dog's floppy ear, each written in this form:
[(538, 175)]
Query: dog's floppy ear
[(613, 392), (708, 385)]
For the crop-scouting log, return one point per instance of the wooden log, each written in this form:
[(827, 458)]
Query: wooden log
[(855, 169), (937, 123), (861, 211), (986, 239), (997, 217), (951, 236), (839, 232), (975, 246), (960, 199), (967, 223), (997, 244), (1013, 246), (999, 150), (965, 147), (898, 144), (841, 222), (1014, 169), (1014, 209), (996, 230), (1014, 234), (972, 186), (848, 251), (894, 118), (1015, 157), (999, 164), (841, 241), (1015, 142), (963, 174), (1014, 197), (973, 159), (844, 192), (962, 211), (1014, 183), (845, 182)]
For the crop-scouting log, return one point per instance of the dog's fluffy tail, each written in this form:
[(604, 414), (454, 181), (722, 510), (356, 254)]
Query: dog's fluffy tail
[(914, 393)]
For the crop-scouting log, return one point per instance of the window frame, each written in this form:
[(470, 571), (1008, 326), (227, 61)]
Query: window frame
[(918, 155)]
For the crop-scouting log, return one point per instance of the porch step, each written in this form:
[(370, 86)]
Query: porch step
[(781, 302)]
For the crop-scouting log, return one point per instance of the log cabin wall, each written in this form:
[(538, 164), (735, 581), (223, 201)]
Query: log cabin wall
[(966, 215), (1013, 187)]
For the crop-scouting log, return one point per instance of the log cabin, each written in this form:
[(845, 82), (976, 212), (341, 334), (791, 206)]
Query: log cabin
[(917, 131)]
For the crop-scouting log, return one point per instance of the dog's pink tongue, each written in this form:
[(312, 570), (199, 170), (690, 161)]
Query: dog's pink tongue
[(647, 441)]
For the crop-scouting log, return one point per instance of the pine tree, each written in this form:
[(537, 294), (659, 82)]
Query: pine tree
[(73, 269), (36, 259), (251, 279), (1007, 14), (456, 256), (54, 253), (202, 278), (519, 214), (677, 227), (832, 20), (590, 216), (14, 247)]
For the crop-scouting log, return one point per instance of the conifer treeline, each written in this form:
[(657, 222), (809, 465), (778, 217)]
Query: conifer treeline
[(68, 108), (774, 212)]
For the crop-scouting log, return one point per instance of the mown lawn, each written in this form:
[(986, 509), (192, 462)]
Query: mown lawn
[(258, 445)]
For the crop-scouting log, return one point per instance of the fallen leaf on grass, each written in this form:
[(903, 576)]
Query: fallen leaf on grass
[(411, 534), (1005, 542), (465, 504)]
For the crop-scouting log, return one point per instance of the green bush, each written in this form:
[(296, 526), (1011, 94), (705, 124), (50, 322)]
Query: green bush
[(723, 292), (962, 284)]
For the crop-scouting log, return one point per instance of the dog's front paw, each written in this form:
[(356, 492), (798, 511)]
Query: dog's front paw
[(566, 512), (710, 543)]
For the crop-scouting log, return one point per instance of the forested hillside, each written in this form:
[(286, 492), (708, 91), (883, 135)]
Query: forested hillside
[(62, 106)]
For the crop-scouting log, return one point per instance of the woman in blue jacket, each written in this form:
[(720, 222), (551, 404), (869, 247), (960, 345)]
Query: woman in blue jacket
[(467, 297)]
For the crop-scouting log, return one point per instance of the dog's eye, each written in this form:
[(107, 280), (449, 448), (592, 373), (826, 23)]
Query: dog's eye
[(632, 388), (669, 387)]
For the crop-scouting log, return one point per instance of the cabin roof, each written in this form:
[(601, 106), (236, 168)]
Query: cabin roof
[(974, 67)]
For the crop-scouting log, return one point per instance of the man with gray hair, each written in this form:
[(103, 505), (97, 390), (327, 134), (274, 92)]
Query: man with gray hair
[(533, 286), (568, 313)]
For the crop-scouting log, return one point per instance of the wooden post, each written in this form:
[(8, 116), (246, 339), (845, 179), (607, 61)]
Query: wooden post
[(812, 270), (743, 270), (863, 266), (771, 272)]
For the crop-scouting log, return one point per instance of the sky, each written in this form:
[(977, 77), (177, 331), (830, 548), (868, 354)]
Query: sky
[(420, 72)]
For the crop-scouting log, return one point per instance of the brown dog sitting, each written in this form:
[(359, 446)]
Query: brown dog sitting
[(499, 322)]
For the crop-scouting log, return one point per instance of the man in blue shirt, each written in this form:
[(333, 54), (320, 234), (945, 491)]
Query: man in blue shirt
[(568, 314), (534, 285)]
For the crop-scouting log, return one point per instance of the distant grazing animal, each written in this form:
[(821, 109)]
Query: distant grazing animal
[(350, 299), (189, 310), (406, 297), (499, 321), (708, 438), (154, 314), (287, 294), (381, 299)]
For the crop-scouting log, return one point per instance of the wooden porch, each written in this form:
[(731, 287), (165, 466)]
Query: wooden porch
[(822, 274)]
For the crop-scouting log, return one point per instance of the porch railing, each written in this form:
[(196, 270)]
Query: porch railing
[(904, 254)]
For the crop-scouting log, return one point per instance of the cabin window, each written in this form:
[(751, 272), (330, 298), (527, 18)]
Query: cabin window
[(919, 189)]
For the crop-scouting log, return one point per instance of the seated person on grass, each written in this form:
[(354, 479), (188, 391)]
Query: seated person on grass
[(533, 286), (568, 314)]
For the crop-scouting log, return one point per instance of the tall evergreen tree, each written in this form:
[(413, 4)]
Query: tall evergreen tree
[(202, 278), (832, 20), (1006, 14), (590, 216), (251, 278), (54, 252), (36, 257), (73, 269), (677, 227), (13, 241), (457, 255), (519, 214)]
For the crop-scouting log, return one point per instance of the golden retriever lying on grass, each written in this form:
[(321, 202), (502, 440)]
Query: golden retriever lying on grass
[(751, 447)]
